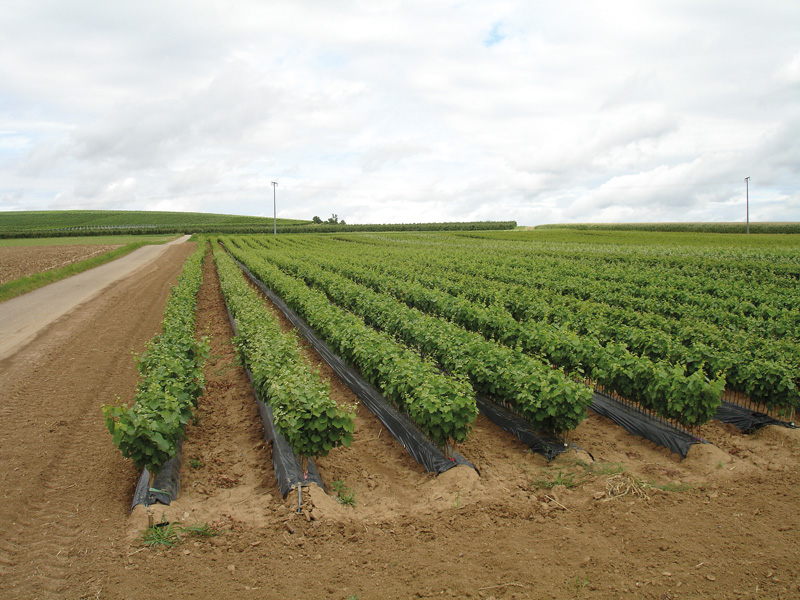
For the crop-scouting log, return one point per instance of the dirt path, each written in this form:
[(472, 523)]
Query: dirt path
[(23, 317), (635, 522)]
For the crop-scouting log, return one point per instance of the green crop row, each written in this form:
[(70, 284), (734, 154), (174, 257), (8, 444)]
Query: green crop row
[(663, 388), (766, 311), (305, 414), (443, 407), (546, 397), (758, 367), (763, 368), (149, 431)]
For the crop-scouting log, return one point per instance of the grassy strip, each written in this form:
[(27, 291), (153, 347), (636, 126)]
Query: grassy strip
[(23, 285)]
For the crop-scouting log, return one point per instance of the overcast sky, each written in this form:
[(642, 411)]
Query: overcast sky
[(404, 111)]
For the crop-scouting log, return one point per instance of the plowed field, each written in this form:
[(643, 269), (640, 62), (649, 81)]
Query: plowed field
[(22, 261)]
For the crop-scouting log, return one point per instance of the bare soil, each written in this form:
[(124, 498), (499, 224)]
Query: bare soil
[(22, 261), (623, 519)]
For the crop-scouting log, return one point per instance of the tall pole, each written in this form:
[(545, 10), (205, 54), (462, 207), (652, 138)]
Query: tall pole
[(747, 192), (274, 210)]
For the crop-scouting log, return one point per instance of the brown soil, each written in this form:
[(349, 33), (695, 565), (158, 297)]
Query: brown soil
[(635, 522), (21, 261)]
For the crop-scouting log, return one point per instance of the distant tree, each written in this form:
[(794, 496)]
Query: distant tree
[(317, 220), (342, 222), (334, 220)]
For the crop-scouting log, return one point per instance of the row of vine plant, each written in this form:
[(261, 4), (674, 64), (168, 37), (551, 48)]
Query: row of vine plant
[(305, 414), (150, 430)]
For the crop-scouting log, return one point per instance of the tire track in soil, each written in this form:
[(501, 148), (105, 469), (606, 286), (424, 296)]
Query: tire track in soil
[(62, 476)]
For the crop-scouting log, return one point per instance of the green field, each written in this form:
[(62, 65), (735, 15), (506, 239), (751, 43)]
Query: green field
[(68, 223), (671, 321), (776, 227), (118, 219), (632, 238)]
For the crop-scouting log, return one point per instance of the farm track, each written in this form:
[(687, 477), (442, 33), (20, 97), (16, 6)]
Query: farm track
[(727, 531)]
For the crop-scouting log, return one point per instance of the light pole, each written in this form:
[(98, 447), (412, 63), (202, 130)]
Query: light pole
[(747, 196), (274, 211)]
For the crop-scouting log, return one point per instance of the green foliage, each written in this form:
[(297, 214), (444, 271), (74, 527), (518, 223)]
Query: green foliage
[(579, 583), (667, 320), (128, 222), (344, 495), (661, 387), (443, 407), (148, 432), (304, 412), (548, 399), (161, 534), (170, 534)]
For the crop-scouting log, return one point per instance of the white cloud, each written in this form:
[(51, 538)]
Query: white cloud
[(404, 111)]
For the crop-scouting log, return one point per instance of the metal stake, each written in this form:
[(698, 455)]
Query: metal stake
[(274, 211), (747, 184)]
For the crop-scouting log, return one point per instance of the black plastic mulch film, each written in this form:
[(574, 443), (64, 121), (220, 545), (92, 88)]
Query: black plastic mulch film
[(643, 425), (424, 451), (286, 463), (547, 446), (746, 419), (166, 485)]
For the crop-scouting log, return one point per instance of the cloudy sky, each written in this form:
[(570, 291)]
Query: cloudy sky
[(404, 111)]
